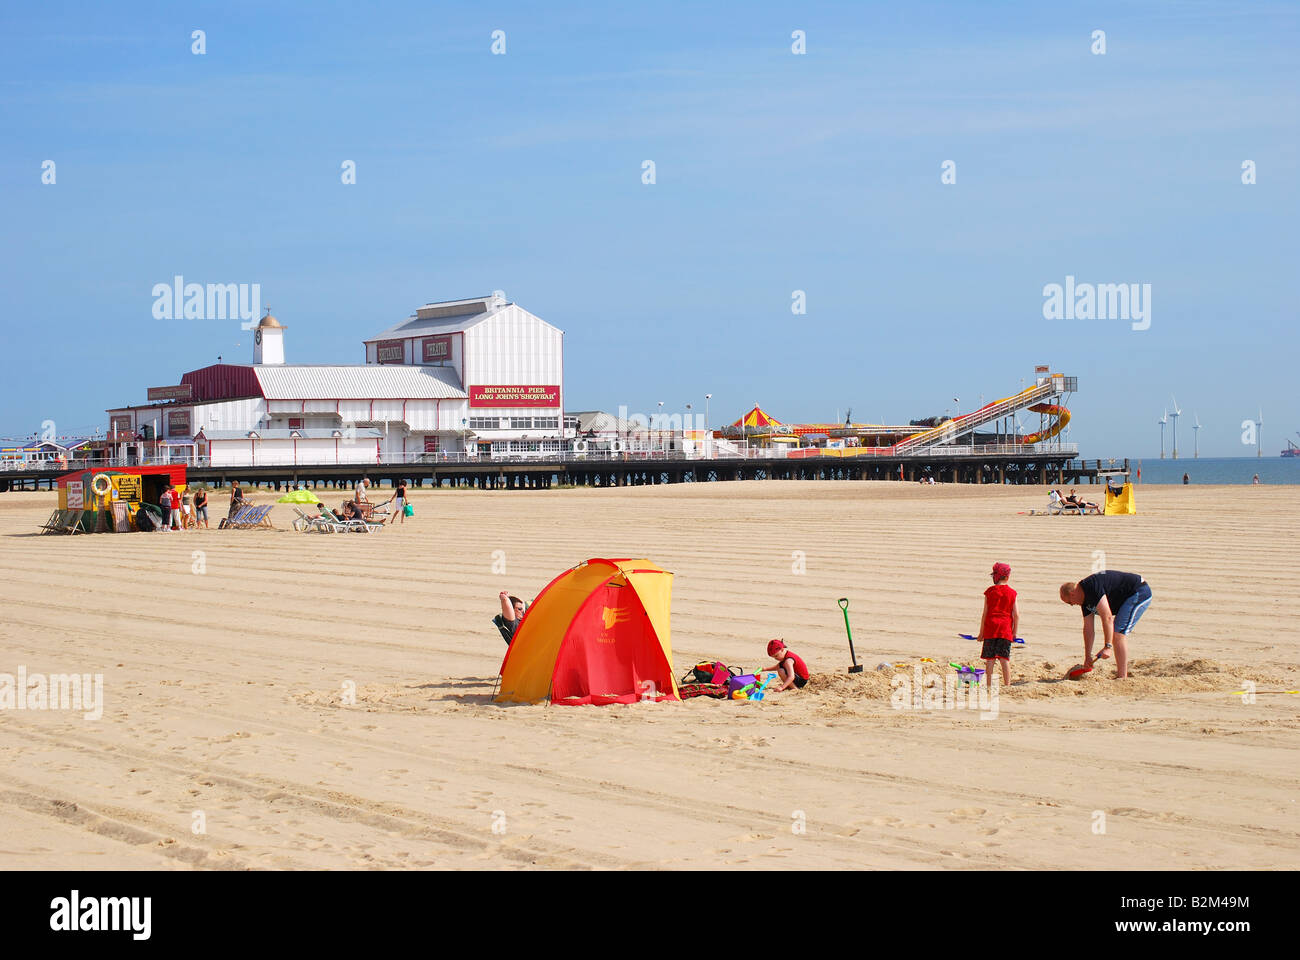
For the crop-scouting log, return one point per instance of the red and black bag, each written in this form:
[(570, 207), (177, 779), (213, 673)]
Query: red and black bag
[(710, 672)]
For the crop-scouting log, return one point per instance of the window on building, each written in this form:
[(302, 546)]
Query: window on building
[(485, 423), (546, 423), (570, 423), (521, 423)]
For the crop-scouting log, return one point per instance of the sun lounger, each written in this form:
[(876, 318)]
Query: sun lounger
[(353, 526)]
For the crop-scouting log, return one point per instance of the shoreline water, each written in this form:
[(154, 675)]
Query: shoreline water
[(1235, 471)]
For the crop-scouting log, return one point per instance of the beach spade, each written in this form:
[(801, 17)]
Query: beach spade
[(844, 606), (1078, 672)]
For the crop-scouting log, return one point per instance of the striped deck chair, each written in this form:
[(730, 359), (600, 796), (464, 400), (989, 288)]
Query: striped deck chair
[(73, 522), (253, 518), (237, 520), (54, 523)]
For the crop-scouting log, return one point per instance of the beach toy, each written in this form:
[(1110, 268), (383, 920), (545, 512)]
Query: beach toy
[(844, 606), (884, 667), (759, 694), (929, 660), (966, 674), (739, 695), (1238, 693), (1077, 673), (971, 636)]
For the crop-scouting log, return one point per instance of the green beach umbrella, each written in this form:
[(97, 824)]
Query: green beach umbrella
[(300, 496)]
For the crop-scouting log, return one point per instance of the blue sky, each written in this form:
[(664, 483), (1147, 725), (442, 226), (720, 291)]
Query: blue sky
[(775, 173)]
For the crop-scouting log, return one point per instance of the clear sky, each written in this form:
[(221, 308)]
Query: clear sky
[(775, 172)]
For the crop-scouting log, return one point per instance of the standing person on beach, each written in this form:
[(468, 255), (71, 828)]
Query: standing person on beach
[(999, 622), (399, 503), (236, 499), (176, 508), (201, 508), (1119, 599), (165, 502)]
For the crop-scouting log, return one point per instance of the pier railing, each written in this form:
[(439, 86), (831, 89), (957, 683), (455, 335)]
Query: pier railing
[(566, 457)]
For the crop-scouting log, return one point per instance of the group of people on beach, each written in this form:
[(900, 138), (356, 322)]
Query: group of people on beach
[(182, 511), (1118, 598)]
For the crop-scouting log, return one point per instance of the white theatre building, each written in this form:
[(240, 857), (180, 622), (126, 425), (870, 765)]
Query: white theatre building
[(478, 377)]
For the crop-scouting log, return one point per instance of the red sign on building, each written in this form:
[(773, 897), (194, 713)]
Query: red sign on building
[(430, 444), (436, 349), (178, 423), (498, 395), (119, 428), (390, 351)]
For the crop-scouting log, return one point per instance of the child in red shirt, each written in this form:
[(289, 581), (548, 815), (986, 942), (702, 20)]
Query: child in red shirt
[(999, 622), (790, 668)]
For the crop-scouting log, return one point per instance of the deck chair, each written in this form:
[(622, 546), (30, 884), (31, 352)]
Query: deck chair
[(261, 517), (1057, 506), (73, 522), (354, 526), (55, 521), (253, 518), (237, 519), (306, 522)]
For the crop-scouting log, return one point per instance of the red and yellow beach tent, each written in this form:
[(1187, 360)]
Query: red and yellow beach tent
[(757, 418), (598, 633)]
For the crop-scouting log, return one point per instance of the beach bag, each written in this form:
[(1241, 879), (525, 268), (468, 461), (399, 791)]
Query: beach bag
[(710, 671), (408, 510)]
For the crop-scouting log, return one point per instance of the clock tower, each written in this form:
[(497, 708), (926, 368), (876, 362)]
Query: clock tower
[(268, 340)]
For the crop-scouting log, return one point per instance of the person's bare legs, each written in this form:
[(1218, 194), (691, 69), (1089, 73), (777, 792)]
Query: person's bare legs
[(1006, 672), (1121, 655)]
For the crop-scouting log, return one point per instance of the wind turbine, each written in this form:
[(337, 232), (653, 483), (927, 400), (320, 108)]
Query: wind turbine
[(1196, 437), (1164, 418), (1176, 414)]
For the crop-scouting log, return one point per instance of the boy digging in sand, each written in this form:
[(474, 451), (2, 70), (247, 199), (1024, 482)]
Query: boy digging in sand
[(790, 668), (999, 623)]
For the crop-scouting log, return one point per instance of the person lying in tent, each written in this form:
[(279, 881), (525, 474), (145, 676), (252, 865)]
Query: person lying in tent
[(512, 611), (790, 668)]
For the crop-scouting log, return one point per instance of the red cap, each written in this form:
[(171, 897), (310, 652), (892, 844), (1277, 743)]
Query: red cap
[(773, 646), (1001, 571)]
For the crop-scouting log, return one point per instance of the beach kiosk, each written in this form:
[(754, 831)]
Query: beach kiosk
[(109, 498)]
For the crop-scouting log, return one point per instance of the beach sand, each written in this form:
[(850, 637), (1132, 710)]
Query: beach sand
[(226, 654)]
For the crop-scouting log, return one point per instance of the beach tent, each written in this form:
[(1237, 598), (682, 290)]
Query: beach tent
[(757, 418), (598, 633), (1120, 502)]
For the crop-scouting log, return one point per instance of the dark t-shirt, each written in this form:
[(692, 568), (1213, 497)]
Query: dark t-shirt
[(1115, 585)]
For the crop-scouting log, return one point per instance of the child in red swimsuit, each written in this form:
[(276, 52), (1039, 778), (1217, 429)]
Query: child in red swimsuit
[(999, 622)]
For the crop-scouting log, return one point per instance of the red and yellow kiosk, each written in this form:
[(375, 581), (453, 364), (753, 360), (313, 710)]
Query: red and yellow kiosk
[(96, 490)]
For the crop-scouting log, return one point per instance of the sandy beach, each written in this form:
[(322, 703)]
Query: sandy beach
[(226, 656)]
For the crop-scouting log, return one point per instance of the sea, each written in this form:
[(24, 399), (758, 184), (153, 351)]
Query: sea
[(1218, 469)]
